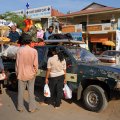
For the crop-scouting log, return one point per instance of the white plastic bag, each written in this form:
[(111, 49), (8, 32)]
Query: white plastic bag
[(2, 76), (47, 91), (67, 92)]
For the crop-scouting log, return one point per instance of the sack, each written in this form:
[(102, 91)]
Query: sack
[(11, 51), (47, 91), (67, 92), (2, 76)]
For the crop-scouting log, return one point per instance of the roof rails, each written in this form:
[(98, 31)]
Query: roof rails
[(63, 41)]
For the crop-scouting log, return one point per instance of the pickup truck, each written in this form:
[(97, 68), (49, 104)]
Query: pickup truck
[(92, 81)]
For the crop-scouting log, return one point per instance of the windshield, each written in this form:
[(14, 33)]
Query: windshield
[(82, 55), (110, 53)]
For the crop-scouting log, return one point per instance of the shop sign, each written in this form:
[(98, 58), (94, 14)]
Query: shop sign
[(106, 27), (41, 12), (78, 28), (68, 28), (19, 12), (2, 22), (94, 28), (99, 27), (118, 23), (117, 39), (72, 28), (77, 36)]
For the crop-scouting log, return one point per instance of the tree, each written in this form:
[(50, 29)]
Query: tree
[(18, 19)]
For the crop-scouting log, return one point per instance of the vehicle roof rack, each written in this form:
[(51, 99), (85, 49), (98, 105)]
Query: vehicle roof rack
[(63, 41)]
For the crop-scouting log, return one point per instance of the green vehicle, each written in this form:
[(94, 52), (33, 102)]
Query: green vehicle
[(92, 81)]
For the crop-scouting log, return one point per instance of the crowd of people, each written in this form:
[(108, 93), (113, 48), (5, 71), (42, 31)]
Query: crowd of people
[(27, 68)]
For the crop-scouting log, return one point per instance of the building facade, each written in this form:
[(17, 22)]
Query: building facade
[(99, 25)]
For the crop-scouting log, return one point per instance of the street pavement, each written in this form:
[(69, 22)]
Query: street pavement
[(70, 110)]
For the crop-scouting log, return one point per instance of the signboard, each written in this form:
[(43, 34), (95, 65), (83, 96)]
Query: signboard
[(72, 28), (77, 36), (118, 23), (94, 28), (19, 12), (41, 12), (78, 28), (117, 39), (68, 28), (2, 22), (99, 27)]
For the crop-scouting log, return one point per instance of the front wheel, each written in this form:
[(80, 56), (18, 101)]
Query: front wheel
[(94, 98)]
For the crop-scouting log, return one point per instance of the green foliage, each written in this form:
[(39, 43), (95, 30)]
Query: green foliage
[(18, 19)]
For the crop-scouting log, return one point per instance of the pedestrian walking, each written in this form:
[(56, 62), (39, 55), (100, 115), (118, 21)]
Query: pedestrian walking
[(55, 76), (48, 33), (26, 70)]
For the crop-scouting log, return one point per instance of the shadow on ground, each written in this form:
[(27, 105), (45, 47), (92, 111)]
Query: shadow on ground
[(39, 97)]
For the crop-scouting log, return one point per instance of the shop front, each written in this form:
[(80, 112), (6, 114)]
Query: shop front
[(101, 38)]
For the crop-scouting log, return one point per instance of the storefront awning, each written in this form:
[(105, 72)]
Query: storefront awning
[(108, 43)]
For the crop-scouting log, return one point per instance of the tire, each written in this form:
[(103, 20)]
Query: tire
[(94, 98), (12, 82)]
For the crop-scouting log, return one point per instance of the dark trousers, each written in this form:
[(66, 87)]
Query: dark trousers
[(1, 83), (56, 88)]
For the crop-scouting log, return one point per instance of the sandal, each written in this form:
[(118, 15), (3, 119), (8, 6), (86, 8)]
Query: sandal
[(32, 111), (20, 110)]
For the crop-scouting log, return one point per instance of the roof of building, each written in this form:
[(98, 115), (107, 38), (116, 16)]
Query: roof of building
[(100, 5), (90, 9), (56, 12)]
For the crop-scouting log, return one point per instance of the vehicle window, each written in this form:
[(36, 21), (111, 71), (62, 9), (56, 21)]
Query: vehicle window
[(82, 55), (105, 53), (66, 55), (111, 53), (41, 53), (49, 54), (42, 57)]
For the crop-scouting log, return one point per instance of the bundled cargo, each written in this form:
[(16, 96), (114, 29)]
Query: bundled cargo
[(10, 51), (4, 39)]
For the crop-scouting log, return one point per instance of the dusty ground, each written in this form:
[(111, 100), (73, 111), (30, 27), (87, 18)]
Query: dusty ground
[(68, 110)]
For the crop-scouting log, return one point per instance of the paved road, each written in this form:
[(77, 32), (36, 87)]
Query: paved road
[(69, 110)]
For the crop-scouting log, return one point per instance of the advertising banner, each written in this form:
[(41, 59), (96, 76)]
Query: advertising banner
[(117, 39), (118, 23), (77, 36), (41, 12)]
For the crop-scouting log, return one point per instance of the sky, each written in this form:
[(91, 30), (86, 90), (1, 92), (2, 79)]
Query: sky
[(61, 5)]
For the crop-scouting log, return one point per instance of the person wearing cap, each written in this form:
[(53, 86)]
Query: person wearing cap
[(13, 35), (26, 70)]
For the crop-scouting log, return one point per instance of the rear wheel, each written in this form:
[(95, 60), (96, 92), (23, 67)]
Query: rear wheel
[(94, 98)]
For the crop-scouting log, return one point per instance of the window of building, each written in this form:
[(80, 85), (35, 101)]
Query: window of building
[(105, 21)]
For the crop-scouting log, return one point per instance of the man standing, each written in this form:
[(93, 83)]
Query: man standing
[(48, 33), (26, 70), (14, 35)]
